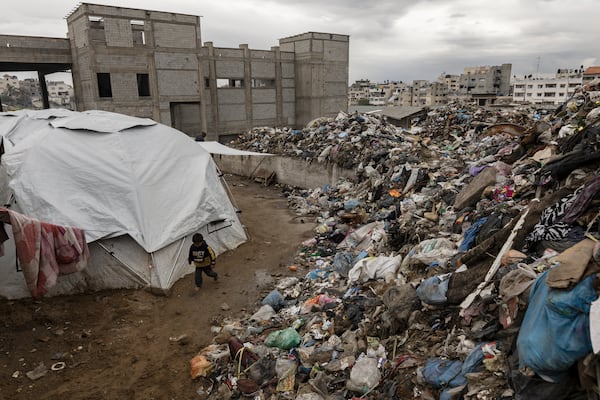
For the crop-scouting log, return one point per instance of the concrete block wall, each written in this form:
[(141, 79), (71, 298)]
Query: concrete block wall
[(321, 74), (124, 87), (118, 32), (178, 83), (233, 110), (290, 171), (173, 35), (175, 61)]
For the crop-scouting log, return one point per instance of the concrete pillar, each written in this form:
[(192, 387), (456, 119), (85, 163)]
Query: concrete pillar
[(247, 85), (152, 74), (212, 77), (44, 88), (201, 84), (278, 86)]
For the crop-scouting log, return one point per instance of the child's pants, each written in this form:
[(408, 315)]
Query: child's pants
[(208, 271)]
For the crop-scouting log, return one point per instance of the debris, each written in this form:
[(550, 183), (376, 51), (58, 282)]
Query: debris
[(38, 372), (472, 206), (58, 366), (182, 339)]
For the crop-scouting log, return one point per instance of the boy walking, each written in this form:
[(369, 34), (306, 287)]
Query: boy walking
[(204, 259)]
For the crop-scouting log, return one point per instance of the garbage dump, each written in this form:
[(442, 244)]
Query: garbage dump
[(461, 263)]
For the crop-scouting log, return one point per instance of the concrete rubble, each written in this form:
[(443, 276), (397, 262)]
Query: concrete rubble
[(461, 263)]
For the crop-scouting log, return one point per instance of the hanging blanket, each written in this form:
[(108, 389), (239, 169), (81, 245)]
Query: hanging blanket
[(45, 250)]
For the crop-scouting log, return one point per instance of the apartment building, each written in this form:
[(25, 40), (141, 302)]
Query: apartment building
[(358, 93), (546, 89), (60, 93), (484, 84), (452, 83)]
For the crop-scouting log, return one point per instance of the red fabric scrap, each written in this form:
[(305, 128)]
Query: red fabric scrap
[(46, 250)]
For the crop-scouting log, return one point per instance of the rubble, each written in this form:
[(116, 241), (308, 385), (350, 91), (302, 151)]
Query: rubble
[(493, 210)]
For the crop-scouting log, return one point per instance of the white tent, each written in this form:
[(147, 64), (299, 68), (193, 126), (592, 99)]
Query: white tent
[(218, 148), (139, 189)]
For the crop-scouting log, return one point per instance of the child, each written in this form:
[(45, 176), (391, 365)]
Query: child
[(204, 259)]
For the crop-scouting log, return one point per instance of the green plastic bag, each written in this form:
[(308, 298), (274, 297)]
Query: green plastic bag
[(284, 339)]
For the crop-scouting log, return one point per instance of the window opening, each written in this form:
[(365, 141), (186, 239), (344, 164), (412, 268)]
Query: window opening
[(143, 84), (104, 87)]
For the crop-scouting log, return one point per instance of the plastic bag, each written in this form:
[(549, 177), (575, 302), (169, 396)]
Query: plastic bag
[(555, 330), (342, 262), (265, 313), (433, 290), (374, 268), (428, 251), (286, 374), (364, 375), (275, 300), (452, 373), (440, 373), (285, 339), (471, 234), (318, 300)]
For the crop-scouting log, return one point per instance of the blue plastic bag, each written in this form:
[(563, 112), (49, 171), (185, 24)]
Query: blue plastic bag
[(351, 204), (433, 290), (471, 234), (555, 332), (342, 263), (275, 300), (318, 274), (441, 373)]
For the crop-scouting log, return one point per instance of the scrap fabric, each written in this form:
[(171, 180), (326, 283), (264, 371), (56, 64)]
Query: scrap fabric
[(45, 250)]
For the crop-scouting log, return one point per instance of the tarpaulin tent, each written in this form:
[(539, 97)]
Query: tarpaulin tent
[(138, 188)]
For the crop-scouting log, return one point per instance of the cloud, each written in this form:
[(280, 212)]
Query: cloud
[(389, 39)]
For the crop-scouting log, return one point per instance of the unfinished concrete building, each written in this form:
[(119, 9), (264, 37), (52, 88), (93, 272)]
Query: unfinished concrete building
[(153, 64), (485, 83)]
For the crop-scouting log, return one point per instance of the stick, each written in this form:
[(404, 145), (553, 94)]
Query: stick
[(495, 265)]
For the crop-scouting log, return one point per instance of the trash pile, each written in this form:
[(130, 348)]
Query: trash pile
[(462, 263)]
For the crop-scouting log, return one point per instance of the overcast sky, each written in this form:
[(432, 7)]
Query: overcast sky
[(389, 39)]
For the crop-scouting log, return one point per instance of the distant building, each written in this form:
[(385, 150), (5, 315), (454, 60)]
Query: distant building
[(452, 83), (399, 94), (479, 84), (437, 94), (7, 81), (358, 93), (377, 96), (549, 90), (60, 93), (484, 84), (425, 93), (31, 87), (590, 74)]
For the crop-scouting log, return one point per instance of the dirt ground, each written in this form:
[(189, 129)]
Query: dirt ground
[(117, 344)]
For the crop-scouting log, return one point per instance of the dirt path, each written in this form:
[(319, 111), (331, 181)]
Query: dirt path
[(116, 344)]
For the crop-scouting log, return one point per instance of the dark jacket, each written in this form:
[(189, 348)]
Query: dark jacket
[(202, 255)]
